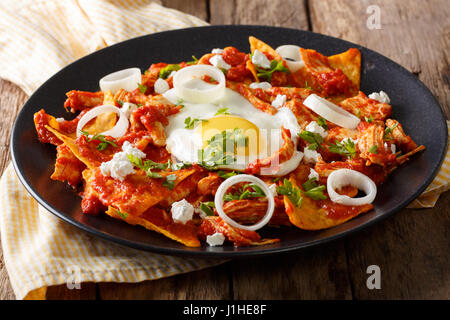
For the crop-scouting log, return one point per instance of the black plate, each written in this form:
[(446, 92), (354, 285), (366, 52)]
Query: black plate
[(413, 105)]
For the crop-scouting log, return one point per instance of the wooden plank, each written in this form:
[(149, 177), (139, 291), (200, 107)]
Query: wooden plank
[(414, 34), (196, 8), (11, 99), (285, 13), (211, 283), (318, 273), (412, 247)]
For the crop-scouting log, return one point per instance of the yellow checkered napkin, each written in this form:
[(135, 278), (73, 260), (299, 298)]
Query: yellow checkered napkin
[(37, 38)]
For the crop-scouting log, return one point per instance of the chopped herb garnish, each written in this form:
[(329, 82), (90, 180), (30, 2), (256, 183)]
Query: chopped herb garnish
[(293, 193), (358, 114), (169, 183), (222, 111), (346, 148), (310, 184), (369, 119), (142, 88), (388, 131), (316, 193), (246, 193), (194, 61), (180, 103), (274, 66), (120, 102), (373, 149), (306, 86), (167, 70), (207, 208), (221, 148), (104, 143), (226, 174), (323, 123), (314, 139), (156, 175), (191, 123), (123, 215)]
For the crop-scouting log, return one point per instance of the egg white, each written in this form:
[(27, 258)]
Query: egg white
[(184, 143)]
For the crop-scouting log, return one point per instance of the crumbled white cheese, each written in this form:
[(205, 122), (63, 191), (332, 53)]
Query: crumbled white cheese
[(215, 239), (161, 86), (260, 85), (314, 127), (260, 59), (313, 174), (120, 166), (273, 189), (60, 119), (218, 62), (217, 50), (380, 97), (279, 101), (393, 148), (385, 146), (128, 108), (182, 211), (311, 156)]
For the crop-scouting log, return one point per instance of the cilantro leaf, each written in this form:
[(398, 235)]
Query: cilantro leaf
[(323, 123), (222, 111), (346, 148), (293, 193), (123, 215), (191, 123), (388, 131), (167, 70), (207, 208), (104, 143), (316, 193), (246, 193), (226, 174), (314, 139), (373, 149), (274, 66), (369, 119), (169, 183), (142, 88)]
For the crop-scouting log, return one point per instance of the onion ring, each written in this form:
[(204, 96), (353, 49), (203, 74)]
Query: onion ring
[(187, 76), (218, 201), (291, 54), (344, 177), (117, 131), (331, 112), (126, 79)]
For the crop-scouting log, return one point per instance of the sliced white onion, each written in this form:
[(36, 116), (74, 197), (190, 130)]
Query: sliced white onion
[(345, 177), (291, 54), (126, 79), (218, 201), (331, 112), (117, 131), (189, 86)]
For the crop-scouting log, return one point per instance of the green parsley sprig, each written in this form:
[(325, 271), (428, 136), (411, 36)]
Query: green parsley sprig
[(314, 139), (274, 66), (388, 131), (104, 143), (346, 148), (142, 88), (208, 208), (191, 123), (293, 193), (313, 190), (246, 192), (165, 72)]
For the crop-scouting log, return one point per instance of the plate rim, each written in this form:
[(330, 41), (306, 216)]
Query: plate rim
[(228, 254)]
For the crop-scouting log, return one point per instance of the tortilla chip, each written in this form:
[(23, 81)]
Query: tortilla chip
[(310, 216), (67, 166), (251, 67), (256, 44), (350, 64), (160, 221), (70, 142)]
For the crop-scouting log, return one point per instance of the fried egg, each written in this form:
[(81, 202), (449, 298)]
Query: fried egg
[(199, 125)]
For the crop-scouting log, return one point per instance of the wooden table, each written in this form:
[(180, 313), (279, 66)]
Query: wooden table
[(411, 248)]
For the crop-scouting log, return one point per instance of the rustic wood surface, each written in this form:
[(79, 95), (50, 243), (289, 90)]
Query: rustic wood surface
[(411, 248)]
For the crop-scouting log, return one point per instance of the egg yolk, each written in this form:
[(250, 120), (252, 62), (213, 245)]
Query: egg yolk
[(229, 123)]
